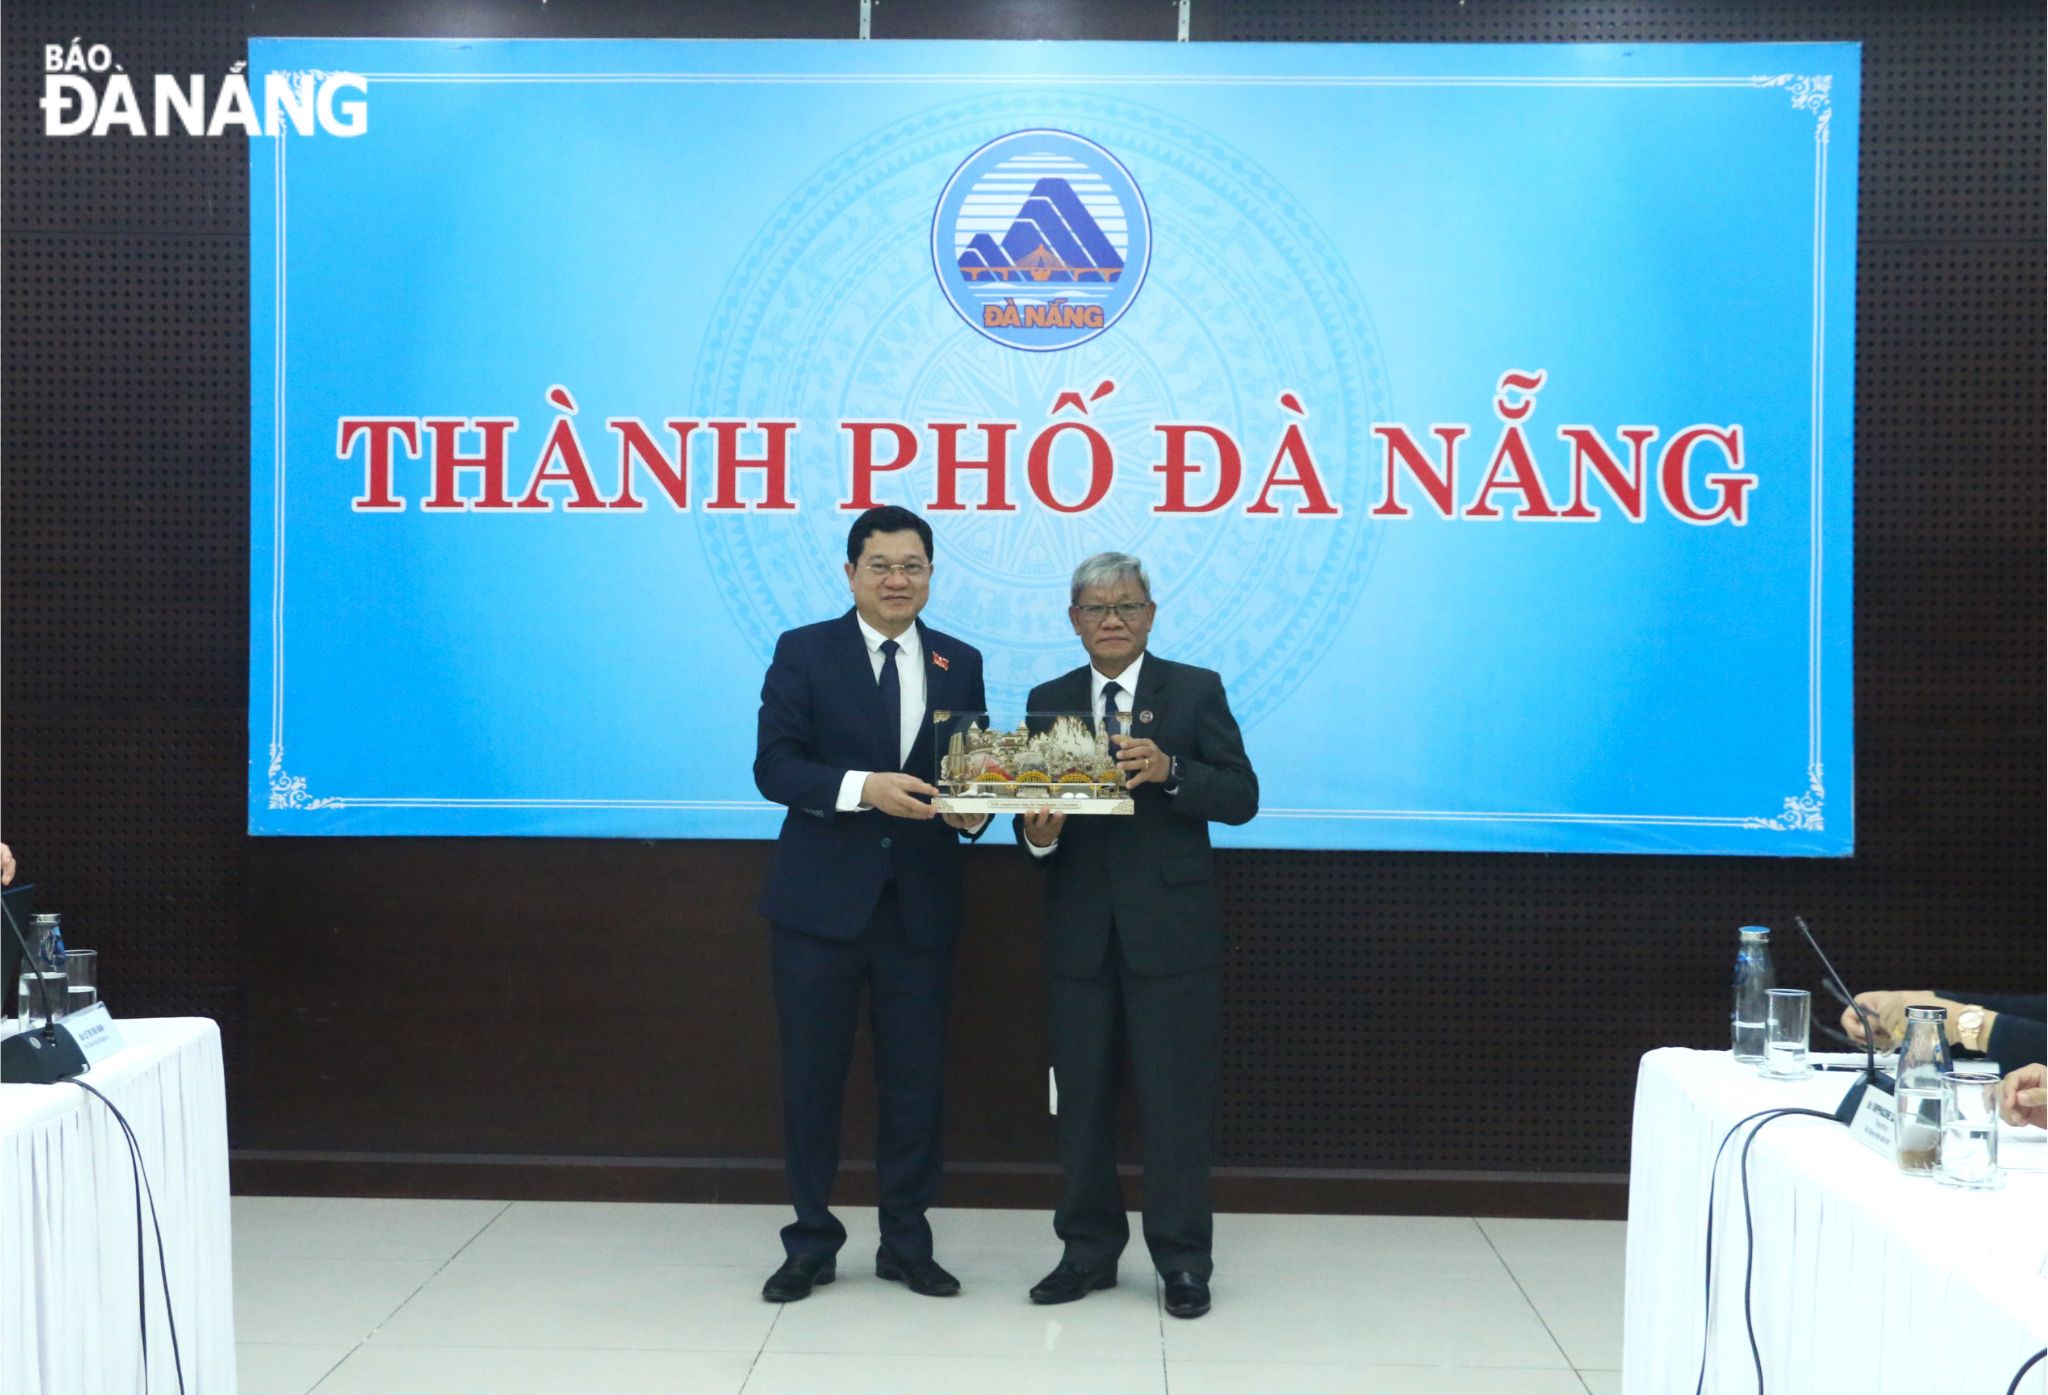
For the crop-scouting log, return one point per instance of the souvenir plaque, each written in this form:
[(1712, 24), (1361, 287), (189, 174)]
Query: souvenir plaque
[(1055, 760)]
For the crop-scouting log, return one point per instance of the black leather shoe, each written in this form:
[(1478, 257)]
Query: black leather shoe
[(1187, 1295), (924, 1276), (798, 1275), (1069, 1281)]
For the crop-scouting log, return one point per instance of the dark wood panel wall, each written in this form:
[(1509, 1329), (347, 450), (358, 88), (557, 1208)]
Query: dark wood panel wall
[(591, 1018)]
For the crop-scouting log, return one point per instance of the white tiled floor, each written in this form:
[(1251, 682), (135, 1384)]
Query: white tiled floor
[(352, 1297)]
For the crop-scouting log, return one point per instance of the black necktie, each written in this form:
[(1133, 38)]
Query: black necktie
[(1112, 719), (892, 702)]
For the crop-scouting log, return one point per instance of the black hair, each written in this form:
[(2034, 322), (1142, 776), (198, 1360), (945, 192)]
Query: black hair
[(889, 518)]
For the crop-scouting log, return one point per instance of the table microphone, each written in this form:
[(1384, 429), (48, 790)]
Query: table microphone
[(1851, 1102), (49, 1053)]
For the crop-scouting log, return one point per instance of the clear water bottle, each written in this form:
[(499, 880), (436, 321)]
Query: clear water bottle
[(41, 987), (1923, 1060), (1754, 980)]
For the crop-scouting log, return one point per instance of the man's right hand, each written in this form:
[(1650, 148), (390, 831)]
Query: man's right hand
[(897, 795), (1042, 827)]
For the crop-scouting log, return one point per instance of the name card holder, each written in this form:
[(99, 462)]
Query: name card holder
[(1876, 1121), (94, 1031)]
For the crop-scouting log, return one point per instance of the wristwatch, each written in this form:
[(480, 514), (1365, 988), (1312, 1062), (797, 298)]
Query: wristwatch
[(1970, 1028), (1172, 774)]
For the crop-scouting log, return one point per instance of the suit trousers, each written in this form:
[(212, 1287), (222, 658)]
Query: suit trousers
[(818, 988), (1172, 1025)]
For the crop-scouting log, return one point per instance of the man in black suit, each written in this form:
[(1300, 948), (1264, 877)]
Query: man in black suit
[(1134, 941), (864, 892)]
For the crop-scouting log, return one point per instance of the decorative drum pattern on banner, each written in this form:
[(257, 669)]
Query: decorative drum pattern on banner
[(912, 359), (1482, 413)]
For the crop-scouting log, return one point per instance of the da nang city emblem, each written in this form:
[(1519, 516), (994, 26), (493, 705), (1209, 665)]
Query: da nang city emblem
[(1041, 240)]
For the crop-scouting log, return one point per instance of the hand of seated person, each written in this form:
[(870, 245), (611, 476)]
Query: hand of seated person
[(1886, 1009), (2023, 1096)]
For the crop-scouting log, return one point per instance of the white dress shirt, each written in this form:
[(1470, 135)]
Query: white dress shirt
[(1126, 699), (910, 681)]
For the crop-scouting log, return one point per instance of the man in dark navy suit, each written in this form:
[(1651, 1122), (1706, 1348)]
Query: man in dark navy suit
[(864, 893), (1134, 941)]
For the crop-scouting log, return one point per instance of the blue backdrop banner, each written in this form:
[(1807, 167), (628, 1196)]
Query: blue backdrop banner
[(1483, 415)]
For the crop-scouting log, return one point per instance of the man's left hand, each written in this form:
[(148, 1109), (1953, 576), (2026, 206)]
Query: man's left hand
[(966, 823), (1142, 762)]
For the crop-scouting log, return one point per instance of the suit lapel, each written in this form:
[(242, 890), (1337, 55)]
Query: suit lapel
[(850, 649), (1077, 694), (938, 695), (1149, 702), (936, 680)]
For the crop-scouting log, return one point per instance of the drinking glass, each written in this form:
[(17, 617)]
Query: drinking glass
[(81, 978), (34, 988), (1787, 1017), (1969, 1131)]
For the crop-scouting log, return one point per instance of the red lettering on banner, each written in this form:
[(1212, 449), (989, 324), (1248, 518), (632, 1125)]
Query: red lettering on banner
[(774, 465), (1294, 453), (1180, 471), (1522, 479), (377, 496), (994, 465), (636, 444), (448, 461), (1732, 490), (1515, 396), (866, 467), (1513, 399), (1101, 460), (562, 445), (1625, 488), (1101, 466), (1202, 468), (1440, 486)]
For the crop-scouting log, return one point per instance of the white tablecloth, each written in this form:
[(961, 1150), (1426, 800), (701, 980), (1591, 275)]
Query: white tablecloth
[(1866, 1280), (68, 1267)]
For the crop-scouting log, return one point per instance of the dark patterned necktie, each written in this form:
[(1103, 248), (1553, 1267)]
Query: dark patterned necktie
[(892, 701), (1112, 719)]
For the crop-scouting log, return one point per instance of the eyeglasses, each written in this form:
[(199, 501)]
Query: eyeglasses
[(910, 571), (1126, 612)]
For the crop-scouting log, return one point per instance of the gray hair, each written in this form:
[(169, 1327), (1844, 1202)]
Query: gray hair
[(1107, 569)]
